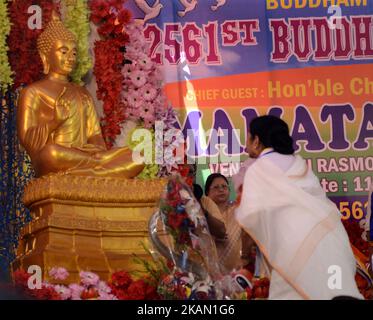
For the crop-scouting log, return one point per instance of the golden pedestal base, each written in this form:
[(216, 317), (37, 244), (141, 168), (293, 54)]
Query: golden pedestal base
[(86, 223)]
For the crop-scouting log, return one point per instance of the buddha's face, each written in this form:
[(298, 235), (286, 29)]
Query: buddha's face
[(62, 57)]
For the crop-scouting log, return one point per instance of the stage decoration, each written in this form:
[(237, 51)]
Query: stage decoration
[(360, 248), (5, 71), (77, 146), (84, 210), (15, 172), (77, 21), (156, 279), (110, 17), (172, 142), (355, 234), (22, 40), (186, 223), (142, 92), (145, 102)]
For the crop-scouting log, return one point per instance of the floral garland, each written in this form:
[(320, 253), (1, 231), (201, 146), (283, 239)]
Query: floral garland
[(110, 17), (159, 281), (355, 232), (142, 92), (145, 101), (5, 70), (77, 21), (22, 41), (361, 251)]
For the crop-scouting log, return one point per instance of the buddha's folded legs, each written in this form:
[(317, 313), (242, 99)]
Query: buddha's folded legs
[(116, 162), (56, 158)]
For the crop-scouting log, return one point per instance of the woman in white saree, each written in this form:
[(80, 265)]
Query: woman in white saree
[(297, 228)]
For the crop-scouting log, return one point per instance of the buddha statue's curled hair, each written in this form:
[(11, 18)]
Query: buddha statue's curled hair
[(55, 30)]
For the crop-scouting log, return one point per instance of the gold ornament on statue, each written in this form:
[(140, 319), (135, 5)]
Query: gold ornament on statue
[(57, 121)]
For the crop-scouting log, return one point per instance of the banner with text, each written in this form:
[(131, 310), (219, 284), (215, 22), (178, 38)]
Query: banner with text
[(307, 61)]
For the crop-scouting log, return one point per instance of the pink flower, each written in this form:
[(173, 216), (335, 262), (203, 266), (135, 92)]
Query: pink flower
[(134, 27), (148, 108), (127, 70), (140, 43), (149, 92), (132, 53), (138, 78), (124, 97), (103, 287), (133, 98), (156, 77), (59, 273), (148, 120), (76, 291), (106, 296), (133, 113), (145, 62), (64, 292), (89, 278)]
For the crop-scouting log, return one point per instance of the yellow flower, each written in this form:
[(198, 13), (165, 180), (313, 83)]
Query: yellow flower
[(5, 70), (77, 21)]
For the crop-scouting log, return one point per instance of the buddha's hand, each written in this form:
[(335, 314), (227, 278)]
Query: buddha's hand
[(61, 110)]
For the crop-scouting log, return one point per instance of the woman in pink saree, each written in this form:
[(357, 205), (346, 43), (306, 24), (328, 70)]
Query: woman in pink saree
[(297, 228)]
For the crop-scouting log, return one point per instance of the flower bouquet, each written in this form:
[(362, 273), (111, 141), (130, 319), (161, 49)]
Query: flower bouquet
[(192, 248)]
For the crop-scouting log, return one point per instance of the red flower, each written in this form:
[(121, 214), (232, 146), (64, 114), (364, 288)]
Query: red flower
[(110, 16), (90, 293), (180, 292), (124, 17), (22, 41), (170, 265), (137, 290), (106, 28), (261, 288), (175, 220), (151, 293), (21, 278), (121, 279), (120, 294), (100, 9), (45, 293)]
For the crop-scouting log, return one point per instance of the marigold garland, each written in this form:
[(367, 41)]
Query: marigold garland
[(22, 41), (77, 21), (5, 71), (110, 18)]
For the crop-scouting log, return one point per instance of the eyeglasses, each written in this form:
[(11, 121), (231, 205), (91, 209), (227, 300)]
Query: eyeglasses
[(218, 187)]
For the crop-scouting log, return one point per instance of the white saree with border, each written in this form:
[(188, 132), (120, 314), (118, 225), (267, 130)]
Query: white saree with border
[(298, 230)]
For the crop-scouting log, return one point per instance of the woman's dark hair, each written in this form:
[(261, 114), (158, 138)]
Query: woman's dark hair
[(273, 133), (197, 191), (211, 179)]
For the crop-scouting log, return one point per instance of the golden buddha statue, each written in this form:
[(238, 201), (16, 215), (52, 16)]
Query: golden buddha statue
[(57, 121), (92, 216)]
